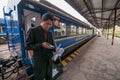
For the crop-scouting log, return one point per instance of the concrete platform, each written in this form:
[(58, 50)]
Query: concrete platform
[(99, 61)]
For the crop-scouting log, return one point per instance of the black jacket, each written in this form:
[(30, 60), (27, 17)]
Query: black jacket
[(34, 39)]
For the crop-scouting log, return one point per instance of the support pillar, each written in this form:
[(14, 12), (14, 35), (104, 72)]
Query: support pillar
[(114, 27)]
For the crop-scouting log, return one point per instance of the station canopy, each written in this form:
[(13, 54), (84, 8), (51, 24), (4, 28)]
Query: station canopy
[(100, 13)]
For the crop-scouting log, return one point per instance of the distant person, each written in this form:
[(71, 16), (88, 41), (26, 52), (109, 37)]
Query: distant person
[(38, 43)]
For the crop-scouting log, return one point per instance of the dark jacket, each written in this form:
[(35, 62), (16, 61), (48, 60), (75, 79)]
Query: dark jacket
[(34, 39)]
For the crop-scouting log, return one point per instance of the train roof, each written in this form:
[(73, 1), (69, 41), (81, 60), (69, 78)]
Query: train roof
[(54, 9), (49, 4)]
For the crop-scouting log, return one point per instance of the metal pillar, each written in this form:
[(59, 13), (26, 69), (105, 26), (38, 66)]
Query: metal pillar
[(107, 33), (108, 29), (114, 27)]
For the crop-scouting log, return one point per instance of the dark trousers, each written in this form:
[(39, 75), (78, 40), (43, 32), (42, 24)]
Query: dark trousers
[(43, 69)]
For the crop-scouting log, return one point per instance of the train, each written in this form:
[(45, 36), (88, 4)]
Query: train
[(6, 30), (67, 31)]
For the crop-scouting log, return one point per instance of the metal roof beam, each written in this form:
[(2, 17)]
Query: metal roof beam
[(103, 10), (88, 7), (114, 8), (101, 18)]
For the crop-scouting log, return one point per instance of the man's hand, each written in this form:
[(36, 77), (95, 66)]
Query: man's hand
[(46, 45)]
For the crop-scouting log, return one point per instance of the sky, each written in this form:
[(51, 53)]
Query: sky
[(2, 4)]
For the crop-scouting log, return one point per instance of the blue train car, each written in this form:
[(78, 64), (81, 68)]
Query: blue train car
[(6, 27), (68, 31), (9, 33)]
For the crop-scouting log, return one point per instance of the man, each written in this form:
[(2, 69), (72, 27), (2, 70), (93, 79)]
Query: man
[(38, 43)]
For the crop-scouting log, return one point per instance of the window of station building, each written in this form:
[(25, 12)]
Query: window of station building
[(73, 30), (79, 30), (59, 27)]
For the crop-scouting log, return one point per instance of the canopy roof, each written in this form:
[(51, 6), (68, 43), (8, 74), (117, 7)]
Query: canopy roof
[(100, 13)]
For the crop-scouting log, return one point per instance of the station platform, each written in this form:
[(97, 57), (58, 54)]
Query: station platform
[(98, 61)]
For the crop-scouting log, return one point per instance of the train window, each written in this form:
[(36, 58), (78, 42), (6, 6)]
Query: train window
[(1, 29), (33, 19), (59, 28), (73, 30), (63, 28), (3, 39), (88, 31), (79, 30), (84, 31)]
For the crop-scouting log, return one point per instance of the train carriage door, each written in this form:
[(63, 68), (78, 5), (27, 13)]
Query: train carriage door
[(31, 19)]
